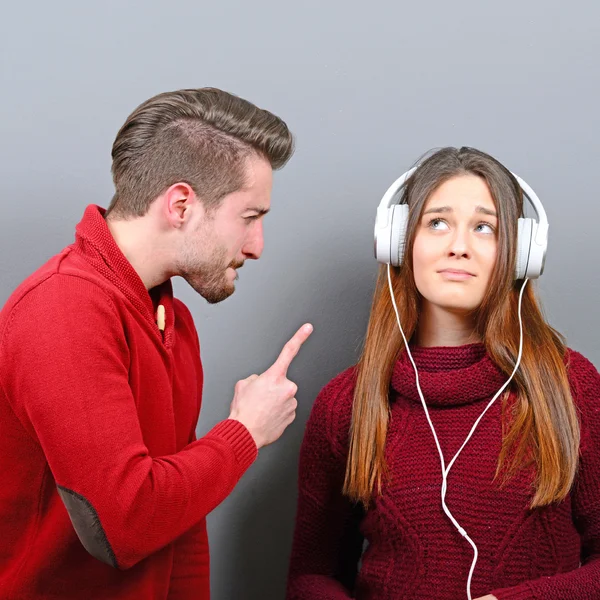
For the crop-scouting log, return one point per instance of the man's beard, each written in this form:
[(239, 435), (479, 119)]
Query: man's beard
[(209, 277)]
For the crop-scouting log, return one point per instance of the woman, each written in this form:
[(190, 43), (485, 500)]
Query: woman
[(524, 489)]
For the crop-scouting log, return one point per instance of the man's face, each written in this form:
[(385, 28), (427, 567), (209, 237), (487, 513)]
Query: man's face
[(221, 240)]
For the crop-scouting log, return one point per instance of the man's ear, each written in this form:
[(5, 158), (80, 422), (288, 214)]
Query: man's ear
[(178, 201)]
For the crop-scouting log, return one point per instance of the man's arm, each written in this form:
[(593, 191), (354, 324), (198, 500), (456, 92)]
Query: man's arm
[(67, 380), (190, 577)]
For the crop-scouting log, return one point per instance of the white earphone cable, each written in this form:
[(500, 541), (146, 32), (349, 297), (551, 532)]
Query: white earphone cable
[(446, 470)]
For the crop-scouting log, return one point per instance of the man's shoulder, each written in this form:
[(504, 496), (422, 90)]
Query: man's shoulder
[(62, 282)]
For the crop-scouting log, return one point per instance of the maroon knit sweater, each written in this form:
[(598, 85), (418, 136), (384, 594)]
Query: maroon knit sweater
[(412, 550)]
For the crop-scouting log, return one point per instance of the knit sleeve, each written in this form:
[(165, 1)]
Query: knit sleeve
[(582, 583), (65, 373), (190, 575), (327, 544)]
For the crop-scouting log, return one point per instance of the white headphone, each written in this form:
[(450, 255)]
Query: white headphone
[(392, 219)]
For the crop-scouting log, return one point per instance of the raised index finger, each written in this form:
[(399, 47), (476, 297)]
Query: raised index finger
[(282, 364)]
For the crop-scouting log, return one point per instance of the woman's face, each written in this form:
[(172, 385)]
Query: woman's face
[(455, 247)]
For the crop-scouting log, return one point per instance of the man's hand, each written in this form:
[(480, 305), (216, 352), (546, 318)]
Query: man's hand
[(266, 403), (488, 597)]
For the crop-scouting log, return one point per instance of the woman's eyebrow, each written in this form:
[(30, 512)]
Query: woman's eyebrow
[(447, 209), (438, 209)]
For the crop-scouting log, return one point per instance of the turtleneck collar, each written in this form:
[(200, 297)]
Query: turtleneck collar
[(449, 375), (95, 243)]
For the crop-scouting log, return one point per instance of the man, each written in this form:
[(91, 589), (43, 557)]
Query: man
[(105, 489)]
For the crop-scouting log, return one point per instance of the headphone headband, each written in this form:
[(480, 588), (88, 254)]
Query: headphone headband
[(388, 199)]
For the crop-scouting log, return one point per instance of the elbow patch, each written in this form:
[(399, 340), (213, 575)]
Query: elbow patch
[(87, 526)]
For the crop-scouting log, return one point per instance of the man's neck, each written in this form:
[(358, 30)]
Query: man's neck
[(132, 237)]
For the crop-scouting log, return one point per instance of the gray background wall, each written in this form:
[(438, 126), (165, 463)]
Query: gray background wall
[(366, 88)]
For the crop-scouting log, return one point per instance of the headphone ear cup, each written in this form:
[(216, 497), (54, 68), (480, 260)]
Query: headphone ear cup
[(399, 226), (524, 239), (383, 235), (537, 250)]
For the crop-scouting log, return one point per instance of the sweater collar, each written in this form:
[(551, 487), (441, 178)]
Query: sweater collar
[(448, 375), (95, 243)]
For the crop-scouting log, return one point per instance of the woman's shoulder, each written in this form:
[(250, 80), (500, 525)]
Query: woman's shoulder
[(340, 389), (583, 375), (584, 381), (332, 411)]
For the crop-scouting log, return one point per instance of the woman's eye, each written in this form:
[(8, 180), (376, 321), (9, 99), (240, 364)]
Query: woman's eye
[(438, 224), (485, 228)]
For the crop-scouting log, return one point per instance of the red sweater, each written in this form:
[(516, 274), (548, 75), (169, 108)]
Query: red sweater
[(413, 551), (97, 417)]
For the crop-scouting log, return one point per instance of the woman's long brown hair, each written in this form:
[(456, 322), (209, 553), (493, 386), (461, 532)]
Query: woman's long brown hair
[(544, 427)]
